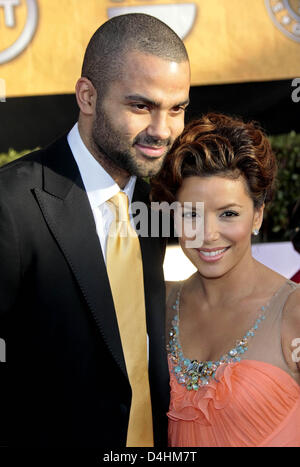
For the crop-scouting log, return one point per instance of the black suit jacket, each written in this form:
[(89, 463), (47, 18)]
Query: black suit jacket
[(68, 382)]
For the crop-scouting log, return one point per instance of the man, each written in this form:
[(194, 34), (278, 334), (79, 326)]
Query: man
[(58, 309)]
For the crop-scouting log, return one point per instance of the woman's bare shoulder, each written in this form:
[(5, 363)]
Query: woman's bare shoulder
[(171, 286)]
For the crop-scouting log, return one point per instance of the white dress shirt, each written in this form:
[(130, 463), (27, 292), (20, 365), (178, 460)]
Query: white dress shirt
[(99, 185)]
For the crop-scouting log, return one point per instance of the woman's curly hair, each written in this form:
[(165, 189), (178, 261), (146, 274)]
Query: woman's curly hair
[(221, 145)]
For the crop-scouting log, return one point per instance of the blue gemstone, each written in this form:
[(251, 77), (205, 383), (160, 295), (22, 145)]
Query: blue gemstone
[(209, 364), (177, 369)]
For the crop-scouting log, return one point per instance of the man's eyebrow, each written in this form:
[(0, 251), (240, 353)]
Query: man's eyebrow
[(145, 100), (185, 103)]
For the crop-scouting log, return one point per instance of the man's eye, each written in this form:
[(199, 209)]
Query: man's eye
[(140, 106), (178, 109)]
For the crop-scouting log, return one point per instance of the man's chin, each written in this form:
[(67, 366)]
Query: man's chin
[(149, 169)]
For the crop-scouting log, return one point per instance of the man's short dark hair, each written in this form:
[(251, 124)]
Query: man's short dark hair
[(136, 31)]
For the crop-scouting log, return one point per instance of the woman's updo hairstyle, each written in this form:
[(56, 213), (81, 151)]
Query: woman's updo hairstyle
[(221, 145)]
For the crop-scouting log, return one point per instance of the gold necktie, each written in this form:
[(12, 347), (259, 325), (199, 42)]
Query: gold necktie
[(125, 272)]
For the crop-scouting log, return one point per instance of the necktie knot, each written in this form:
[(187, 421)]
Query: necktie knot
[(119, 204)]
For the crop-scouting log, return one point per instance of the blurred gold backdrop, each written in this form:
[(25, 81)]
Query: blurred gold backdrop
[(227, 40)]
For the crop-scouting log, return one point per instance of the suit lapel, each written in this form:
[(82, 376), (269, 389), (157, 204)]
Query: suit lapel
[(66, 209), (152, 254)]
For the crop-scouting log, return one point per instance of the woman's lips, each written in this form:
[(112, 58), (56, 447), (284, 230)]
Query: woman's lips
[(212, 255), (151, 151)]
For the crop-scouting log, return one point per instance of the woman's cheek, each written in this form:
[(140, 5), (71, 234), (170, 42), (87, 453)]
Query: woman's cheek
[(238, 232)]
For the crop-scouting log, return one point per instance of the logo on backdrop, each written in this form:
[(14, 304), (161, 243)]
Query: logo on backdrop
[(178, 16), (285, 14), (9, 10)]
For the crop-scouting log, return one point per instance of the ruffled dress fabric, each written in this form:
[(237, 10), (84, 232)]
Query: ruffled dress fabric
[(254, 402), (250, 404)]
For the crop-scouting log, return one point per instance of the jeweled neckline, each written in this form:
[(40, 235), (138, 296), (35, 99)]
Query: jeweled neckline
[(194, 374)]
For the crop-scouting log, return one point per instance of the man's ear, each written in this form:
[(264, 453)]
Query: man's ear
[(258, 218), (86, 96)]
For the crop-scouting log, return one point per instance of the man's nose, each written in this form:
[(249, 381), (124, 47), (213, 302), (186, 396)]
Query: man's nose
[(159, 127)]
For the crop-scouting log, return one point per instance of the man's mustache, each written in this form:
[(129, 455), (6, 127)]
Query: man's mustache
[(153, 142)]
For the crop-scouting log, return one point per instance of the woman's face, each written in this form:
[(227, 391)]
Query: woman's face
[(229, 219)]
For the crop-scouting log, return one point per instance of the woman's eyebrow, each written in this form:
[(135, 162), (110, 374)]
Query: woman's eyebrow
[(231, 205)]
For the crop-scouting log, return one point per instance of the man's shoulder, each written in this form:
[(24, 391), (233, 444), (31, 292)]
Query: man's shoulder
[(19, 170), (27, 159), (28, 168)]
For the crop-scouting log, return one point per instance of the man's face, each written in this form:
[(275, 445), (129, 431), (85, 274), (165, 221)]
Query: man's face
[(142, 113)]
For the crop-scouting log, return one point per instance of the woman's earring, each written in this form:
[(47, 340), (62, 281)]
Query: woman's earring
[(255, 232)]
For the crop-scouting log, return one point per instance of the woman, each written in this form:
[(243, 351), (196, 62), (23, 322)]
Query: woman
[(233, 325)]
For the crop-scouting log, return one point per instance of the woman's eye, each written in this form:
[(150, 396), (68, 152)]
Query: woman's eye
[(190, 214), (229, 214)]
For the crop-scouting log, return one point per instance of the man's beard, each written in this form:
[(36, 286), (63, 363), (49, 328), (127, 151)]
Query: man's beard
[(120, 152)]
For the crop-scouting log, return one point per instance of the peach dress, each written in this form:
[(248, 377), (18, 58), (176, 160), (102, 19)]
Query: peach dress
[(254, 402)]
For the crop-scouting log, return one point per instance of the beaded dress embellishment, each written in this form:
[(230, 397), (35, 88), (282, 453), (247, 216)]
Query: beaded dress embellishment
[(194, 374)]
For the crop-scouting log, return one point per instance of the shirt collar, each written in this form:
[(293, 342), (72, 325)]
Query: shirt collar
[(99, 185)]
